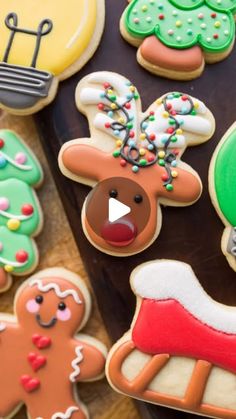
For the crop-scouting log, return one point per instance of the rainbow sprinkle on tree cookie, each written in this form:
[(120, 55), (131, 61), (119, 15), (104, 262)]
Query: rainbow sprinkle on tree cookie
[(206, 24)]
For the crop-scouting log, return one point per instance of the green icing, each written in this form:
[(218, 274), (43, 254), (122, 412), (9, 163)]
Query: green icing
[(209, 23), (11, 146), (20, 213), (18, 194), (225, 178), (222, 5), (11, 243)]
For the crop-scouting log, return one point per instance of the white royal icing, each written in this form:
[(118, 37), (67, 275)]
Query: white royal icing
[(100, 121), (75, 362), (55, 287), (67, 415), (162, 280), (14, 163), (2, 326), (121, 85), (14, 216), (12, 263), (195, 124)]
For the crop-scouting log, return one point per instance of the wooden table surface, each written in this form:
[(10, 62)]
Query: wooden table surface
[(57, 248)]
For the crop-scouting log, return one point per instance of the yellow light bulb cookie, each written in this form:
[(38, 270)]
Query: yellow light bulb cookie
[(41, 45)]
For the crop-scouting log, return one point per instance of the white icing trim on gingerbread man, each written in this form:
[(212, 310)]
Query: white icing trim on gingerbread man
[(75, 362), (67, 414), (55, 287)]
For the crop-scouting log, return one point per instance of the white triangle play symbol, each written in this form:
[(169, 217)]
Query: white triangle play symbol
[(117, 210)]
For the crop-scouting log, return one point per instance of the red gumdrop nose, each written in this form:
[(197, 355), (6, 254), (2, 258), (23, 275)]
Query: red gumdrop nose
[(120, 233)]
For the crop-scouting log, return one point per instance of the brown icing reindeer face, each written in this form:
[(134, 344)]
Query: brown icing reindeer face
[(50, 305), (142, 169), (122, 232)]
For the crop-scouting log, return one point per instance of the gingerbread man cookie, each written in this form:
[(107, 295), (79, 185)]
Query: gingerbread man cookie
[(134, 158), (175, 39), (222, 188), (20, 212), (179, 351), (42, 45), (41, 355)]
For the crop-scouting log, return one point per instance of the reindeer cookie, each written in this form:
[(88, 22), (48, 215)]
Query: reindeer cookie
[(41, 355), (175, 38), (42, 45), (20, 211), (222, 187), (133, 157), (179, 351)]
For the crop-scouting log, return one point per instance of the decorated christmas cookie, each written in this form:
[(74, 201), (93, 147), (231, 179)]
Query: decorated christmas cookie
[(20, 211), (19, 207), (179, 351), (41, 45), (17, 160), (134, 158), (222, 187), (42, 356), (18, 252), (175, 39)]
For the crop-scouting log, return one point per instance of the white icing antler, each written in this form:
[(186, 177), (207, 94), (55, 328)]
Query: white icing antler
[(190, 117), (55, 287), (93, 90), (192, 122)]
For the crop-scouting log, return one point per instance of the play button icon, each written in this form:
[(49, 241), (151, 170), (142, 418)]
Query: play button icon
[(117, 209)]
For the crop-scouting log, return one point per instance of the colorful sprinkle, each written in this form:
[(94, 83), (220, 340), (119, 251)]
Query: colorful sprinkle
[(4, 203), (13, 224), (22, 256)]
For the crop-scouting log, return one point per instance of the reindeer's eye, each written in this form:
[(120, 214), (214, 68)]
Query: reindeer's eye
[(39, 299), (61, 306), (138, 199), (113, 193)]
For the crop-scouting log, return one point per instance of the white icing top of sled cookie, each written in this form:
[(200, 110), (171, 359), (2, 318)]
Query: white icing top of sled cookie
[(165, 279)]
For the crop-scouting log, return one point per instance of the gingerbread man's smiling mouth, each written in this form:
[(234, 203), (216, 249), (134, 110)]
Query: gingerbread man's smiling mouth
[(47, 325)]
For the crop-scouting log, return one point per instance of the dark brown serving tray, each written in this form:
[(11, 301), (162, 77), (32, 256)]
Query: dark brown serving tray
[(190, 234)]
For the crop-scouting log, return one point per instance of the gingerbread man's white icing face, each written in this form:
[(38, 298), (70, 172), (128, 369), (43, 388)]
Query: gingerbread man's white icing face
[(50, 304)]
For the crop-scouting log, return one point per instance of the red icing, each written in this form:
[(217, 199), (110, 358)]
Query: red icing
[(167, 327), (22, 256), (27, 209), (120, 233), (36, 361), (41, 342), (30, 384), (1, 143)]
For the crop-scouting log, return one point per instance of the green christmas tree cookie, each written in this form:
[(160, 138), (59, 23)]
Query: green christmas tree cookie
[(19, 207), (17, 160), (176, 38), (18, 252), (222, 181), (20, 211)]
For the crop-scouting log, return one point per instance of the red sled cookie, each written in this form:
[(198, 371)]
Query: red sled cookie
[(179, 351)]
